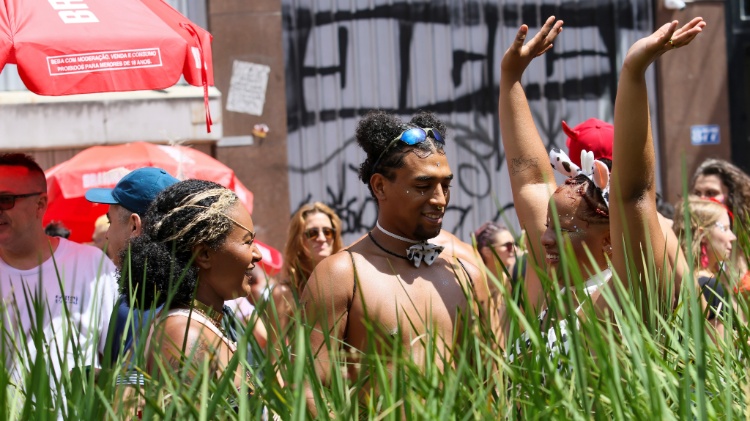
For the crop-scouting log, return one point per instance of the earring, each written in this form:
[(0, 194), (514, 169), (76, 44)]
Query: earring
[(704, 256)]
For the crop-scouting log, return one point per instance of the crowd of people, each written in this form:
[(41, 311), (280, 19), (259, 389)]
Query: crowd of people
[(180, 280)]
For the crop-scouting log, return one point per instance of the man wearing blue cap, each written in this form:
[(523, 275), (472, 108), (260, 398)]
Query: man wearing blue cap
[(128, 202)]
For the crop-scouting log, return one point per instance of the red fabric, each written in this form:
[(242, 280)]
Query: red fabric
[(592, 135), (729, 212), (64, 48), (272, 258), (744, 285), (103, 166)]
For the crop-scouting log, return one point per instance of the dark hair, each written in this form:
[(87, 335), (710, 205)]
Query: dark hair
[(57, 229), (736, 181), (182, 216), (378, 129), (15, 159), (595, 210), (485, 233)]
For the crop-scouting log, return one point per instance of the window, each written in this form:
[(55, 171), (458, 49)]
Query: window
[(195, 10)]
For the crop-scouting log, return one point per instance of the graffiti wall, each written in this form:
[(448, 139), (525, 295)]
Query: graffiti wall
[(347, 57)]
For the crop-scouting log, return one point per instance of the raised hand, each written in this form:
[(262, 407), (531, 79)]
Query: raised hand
[(518, 56), (664, 39)]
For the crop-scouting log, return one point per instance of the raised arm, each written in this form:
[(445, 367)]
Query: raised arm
[(633, 187), (531, 176)]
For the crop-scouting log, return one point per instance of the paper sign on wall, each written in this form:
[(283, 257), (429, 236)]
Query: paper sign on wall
[(247, 88)]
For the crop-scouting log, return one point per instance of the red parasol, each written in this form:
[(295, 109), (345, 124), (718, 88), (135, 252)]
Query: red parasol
[(65, 47), (103, 166)]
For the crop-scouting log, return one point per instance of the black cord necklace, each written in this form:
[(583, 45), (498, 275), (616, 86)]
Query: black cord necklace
[(369, 233)]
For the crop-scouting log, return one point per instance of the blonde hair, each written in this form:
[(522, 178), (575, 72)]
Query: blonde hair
[(298, 265), (702, 214)]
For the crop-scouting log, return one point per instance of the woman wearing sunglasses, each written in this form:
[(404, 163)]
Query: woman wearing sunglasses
[(314, 234), (497, 247)]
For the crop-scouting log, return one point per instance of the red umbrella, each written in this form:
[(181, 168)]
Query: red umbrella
[(272, 258), (103, 166), (65, 47)]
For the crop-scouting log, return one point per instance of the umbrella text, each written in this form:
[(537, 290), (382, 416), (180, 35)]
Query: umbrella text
[(73, 11)]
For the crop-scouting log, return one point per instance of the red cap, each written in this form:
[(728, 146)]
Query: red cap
[(592, 135)]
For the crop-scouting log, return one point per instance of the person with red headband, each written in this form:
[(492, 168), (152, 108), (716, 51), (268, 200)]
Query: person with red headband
[(710, 245)]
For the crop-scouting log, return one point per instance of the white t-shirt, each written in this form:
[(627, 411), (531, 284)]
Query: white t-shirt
[(89, 290)]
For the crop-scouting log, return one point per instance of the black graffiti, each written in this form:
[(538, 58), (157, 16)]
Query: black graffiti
[(608, 17), (478, 142)]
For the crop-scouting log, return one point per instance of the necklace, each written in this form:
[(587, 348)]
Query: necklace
[(211, 314), (392, 235), (385, 249)]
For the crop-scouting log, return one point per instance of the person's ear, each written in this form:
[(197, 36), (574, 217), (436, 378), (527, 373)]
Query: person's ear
[(134, 223), (202, 256), (42, 204), (377, 183)]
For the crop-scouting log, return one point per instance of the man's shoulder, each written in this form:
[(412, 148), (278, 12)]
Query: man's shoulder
[(80, 253)]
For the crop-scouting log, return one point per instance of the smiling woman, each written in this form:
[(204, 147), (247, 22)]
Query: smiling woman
[(195, 253), (314, 234)]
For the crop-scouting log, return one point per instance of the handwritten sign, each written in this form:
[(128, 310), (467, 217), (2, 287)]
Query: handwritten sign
[(707, 134), (247, 88)]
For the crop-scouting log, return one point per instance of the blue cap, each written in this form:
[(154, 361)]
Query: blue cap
[(135, 191)]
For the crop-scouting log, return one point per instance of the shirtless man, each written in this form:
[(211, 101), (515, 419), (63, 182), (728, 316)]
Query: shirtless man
[(408, 174)]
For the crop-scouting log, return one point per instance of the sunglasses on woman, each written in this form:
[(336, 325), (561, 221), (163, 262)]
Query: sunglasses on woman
[(411, 137), (313, 233), (509, 246)]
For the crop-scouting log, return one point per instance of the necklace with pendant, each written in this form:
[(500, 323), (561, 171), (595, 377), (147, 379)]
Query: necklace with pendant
[(211, 314)]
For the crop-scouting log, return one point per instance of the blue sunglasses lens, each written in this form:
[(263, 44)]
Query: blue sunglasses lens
[(413, 136), (437, 136)]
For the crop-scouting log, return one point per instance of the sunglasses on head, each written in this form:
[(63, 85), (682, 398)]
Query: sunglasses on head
[(8, 201), (412, 136), (313, 233)]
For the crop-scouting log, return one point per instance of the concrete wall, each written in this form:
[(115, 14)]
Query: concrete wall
[(693, 90), (250, 32), (32, 122)]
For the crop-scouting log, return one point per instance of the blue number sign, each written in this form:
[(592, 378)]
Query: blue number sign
[(705, 135)]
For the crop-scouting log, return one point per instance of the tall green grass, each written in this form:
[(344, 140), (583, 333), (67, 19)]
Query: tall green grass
[(621, 366)]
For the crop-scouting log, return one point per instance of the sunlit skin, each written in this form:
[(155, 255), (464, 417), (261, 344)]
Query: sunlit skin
[(710, 186), (397, 298), (581, 233), (504, 245), (720, 240), (223, 275), (422, 193), (320, 247), (123, 225)]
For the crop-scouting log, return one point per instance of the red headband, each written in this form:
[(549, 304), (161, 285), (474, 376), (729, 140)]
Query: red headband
[(731, 215)]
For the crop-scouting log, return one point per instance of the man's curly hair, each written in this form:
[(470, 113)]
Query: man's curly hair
[(736, 181), (376, 131), (160, 260)]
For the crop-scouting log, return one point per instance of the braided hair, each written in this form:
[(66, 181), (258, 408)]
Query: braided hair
[(160, 261), (378, 129)]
